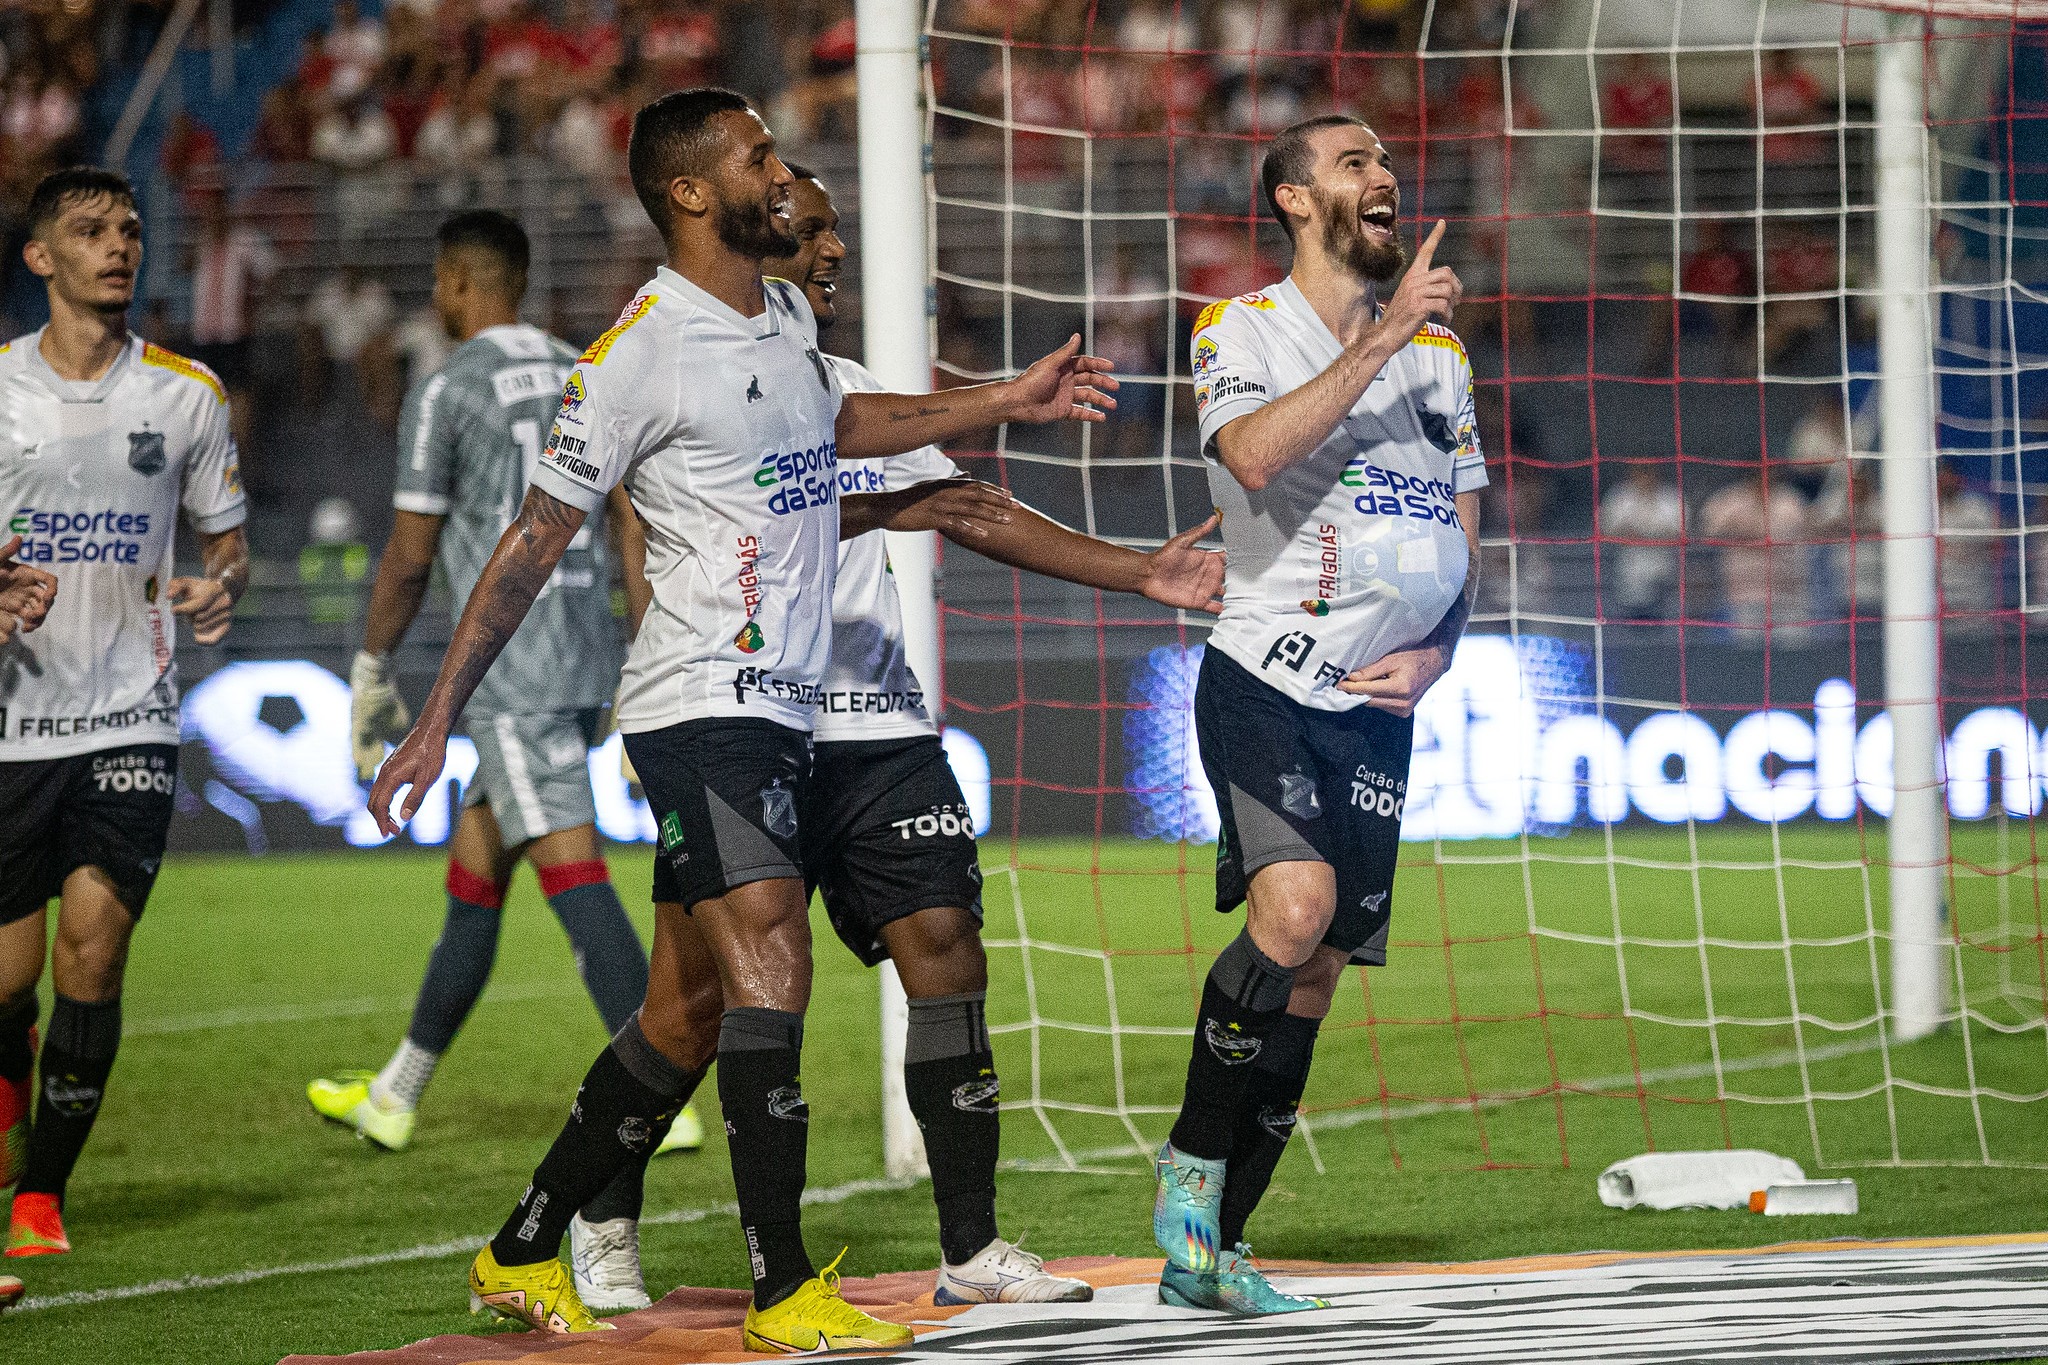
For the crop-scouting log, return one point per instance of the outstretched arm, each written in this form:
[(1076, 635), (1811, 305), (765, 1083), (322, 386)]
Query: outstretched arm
[(1062, 386), (1260, 446), (527, 553), (1177, 574), (1396, 682)]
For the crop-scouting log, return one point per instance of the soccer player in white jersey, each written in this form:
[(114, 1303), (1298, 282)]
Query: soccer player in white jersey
[(1337, 420), (103, 440), (886, 833), (710, 401)]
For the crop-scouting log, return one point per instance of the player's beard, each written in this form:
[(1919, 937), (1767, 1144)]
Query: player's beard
[(749, 228), (1345, 242)]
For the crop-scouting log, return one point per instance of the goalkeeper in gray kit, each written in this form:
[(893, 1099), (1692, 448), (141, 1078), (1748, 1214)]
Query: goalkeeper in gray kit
[(469, 436)]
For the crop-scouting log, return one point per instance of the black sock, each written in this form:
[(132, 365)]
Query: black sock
[(949, 1073), (767, 1127), (607, 947), (18, 1041), (627, 1193), (630, 1089), (77, 1056), (460, 964), (1246, 991), (1278, 1077)]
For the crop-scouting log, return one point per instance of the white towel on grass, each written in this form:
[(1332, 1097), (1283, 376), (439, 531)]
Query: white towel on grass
[(1694, 1180)]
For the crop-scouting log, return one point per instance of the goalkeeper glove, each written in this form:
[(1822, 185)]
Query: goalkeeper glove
[(376, 713)]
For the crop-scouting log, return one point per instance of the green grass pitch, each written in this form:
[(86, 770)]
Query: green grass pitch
[(249, 977)]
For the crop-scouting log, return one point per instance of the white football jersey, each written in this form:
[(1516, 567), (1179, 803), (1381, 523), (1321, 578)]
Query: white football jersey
[(721, 428), (93, 475), (1357, 551), (870, 691)]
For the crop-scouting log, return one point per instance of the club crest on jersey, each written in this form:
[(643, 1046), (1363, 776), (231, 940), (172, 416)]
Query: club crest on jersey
[(778, 809), (146, 452), (750, 639)]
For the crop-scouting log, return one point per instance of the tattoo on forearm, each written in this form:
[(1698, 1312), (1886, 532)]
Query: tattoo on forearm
[(940, 411)]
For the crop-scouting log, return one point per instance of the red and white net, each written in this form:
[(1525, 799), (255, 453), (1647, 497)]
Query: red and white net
[(1643, 897)]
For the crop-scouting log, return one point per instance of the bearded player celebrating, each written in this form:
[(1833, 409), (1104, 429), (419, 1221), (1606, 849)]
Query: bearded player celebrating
[(709, 400), (1339, 428)]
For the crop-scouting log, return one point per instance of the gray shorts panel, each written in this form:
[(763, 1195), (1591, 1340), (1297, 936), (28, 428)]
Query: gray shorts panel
[(533, 771)]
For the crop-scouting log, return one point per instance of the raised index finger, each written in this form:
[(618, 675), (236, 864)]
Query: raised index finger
[(1422, 257)]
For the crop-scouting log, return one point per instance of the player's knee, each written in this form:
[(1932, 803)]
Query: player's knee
[(1288, 928), (938, 952)]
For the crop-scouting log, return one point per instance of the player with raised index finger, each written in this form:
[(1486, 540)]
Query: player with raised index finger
[(1339, 428), (710, 402)]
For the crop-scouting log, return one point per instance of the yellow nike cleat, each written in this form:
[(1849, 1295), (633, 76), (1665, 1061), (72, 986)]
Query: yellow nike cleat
[(686, 1134), (815, 1318), (345, 1099), (538, 1296)]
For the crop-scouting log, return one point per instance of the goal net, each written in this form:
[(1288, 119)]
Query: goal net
[(1651, 858)]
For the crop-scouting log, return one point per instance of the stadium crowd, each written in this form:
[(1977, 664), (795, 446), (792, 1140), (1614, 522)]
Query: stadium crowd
[(422, 105)]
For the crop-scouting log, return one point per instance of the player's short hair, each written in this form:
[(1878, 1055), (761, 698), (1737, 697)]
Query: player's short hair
[(673, 137), (1290, 160), (61, 188), (801, 172), (494, 233)]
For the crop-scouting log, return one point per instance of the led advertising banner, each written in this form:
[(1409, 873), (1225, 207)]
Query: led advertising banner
[(1517, 737)]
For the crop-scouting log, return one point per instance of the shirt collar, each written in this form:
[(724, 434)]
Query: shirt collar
[(768, 324), (61, 386)]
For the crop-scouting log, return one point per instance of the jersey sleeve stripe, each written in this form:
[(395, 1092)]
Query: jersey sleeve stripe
[(423, 429), (636, 310), (426, 504), (1435, 337), (153, 354)]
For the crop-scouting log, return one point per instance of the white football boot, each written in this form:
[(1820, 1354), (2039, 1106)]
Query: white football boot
[(606, 1259), (1003, 1272)]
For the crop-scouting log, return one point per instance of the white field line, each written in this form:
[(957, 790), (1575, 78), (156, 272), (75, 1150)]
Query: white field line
[(836, 1194), (169, 1025), (425, 1251)]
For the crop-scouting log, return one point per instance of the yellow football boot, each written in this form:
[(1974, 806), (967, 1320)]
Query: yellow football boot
[(815, 1318), (538, 1296), (686, 1134), (346, 1099)]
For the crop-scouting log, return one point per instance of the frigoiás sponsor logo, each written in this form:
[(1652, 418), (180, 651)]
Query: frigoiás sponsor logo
[(747, 551), (750, 639), (802, 479), (1329, 564), (106, 536), (1390, 493)]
